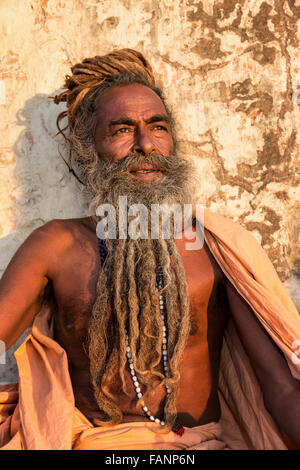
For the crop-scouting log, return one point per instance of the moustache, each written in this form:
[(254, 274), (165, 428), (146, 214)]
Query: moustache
[(133, 161)]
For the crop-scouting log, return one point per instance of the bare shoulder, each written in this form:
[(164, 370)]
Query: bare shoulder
[(62, 232), (47, 255), (57, 237)]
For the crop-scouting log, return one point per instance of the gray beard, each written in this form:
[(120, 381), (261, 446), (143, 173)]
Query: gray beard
[(127, 293), (114, 180)]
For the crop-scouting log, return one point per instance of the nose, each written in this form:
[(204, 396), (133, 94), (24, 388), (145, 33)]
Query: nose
[(143, 142)]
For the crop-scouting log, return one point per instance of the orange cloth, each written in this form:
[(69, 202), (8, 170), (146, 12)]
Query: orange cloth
[(142, 436), (39, 411)]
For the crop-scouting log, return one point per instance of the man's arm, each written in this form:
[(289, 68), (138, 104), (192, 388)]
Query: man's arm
[(23, 283), (281, 391)]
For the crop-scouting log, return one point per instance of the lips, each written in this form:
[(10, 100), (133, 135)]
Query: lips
[(145, 172), (144, 169)]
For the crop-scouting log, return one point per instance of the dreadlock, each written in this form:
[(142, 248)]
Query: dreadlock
[(88, 82), (126, 293)]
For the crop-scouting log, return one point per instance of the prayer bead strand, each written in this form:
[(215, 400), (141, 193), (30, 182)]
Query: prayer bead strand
[(136, 384)]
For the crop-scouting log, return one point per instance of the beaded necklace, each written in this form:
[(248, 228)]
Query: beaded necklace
[(159, 284)]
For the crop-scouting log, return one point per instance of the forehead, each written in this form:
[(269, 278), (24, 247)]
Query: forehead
[(134, 101)]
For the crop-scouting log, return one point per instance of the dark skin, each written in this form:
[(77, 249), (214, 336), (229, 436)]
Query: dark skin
[(61, 260)]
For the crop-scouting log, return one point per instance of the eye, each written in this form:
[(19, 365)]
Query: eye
[(122, 130), (159, 127)]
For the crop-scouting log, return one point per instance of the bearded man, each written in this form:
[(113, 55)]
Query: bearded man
[(142, 343)]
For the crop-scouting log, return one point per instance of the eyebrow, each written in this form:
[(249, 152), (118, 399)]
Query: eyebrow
[(131, 122)]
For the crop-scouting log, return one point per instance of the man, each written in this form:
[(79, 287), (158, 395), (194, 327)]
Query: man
[(142, 322)]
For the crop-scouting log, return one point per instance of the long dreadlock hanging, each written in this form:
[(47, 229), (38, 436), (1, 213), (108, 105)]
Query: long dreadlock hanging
[(126, 295)]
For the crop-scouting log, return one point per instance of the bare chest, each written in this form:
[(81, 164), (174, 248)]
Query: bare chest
[(75, 285), (74, 291)]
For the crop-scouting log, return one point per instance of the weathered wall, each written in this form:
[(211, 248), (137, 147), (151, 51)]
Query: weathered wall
[(230, 71)]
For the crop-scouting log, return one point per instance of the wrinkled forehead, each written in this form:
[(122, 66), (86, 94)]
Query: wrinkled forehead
[(134, 101)]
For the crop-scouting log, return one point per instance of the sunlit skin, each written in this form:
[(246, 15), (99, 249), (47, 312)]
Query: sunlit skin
[(63, 257), (133, 119)]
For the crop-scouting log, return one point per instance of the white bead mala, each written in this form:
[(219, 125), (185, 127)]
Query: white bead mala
[(135, 381), (178, 429)]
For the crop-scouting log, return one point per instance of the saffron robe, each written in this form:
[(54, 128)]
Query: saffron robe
[(141, 435), (38, 412)]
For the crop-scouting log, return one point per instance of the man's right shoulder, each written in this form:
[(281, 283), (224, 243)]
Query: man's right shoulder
[(56, 232), (59, 235), (51, 244), (51, 240)]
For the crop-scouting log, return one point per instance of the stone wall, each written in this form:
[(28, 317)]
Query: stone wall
[(231, 74)]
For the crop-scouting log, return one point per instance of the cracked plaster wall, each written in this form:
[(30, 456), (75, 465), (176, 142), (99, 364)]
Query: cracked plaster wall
[(231, 74)]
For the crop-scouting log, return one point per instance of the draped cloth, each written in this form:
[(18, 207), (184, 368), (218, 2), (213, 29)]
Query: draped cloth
[(39, 411), (143, 436)]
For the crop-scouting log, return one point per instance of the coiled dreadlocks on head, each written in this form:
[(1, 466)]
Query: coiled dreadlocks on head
[(88, 81)]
